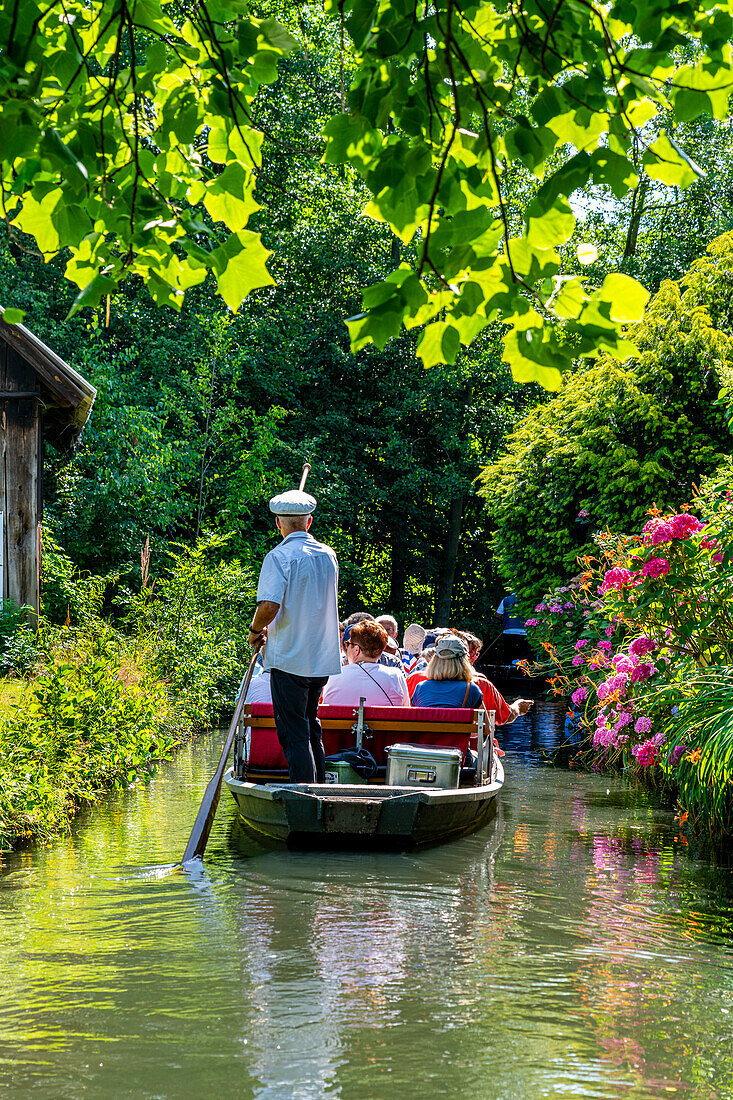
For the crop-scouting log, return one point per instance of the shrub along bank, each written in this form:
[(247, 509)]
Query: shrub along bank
[(642, 642), (97, 702)]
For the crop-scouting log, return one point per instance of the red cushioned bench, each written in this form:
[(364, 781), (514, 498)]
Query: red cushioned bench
[(441, 726)]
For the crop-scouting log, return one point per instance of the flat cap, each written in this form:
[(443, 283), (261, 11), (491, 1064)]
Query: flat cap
[(293, 503), (450, 645)]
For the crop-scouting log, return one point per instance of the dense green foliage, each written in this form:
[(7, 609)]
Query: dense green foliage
[(101, 707), (620, 437), (131, 131), (76, 732), (200, 416)]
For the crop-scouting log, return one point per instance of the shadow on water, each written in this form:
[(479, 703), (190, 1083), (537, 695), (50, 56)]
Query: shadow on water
[(571, 948)]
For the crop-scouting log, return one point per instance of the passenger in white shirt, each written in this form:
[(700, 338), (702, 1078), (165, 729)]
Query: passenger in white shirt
[(260, 690), (363, 677)]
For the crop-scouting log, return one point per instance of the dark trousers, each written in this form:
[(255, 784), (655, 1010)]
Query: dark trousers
[(295, 703)]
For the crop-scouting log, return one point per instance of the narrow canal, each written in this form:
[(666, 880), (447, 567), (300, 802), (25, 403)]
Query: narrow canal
[(572, 949)]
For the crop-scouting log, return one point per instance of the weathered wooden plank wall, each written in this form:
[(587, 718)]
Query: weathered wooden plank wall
[(20, 440)]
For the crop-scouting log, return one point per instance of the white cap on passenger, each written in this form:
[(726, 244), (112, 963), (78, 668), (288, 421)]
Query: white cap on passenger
[(293, 503)]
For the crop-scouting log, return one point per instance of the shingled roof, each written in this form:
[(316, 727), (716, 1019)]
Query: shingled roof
[(66, 396)]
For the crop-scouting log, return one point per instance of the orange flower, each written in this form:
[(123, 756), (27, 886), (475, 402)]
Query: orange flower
[(693, 757), (682, 818)]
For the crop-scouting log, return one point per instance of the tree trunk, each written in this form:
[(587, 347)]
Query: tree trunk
[(637, 209), (447, 576), (398, 569)]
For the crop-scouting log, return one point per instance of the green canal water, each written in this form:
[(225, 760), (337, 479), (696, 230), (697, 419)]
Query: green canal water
[(574, 948)]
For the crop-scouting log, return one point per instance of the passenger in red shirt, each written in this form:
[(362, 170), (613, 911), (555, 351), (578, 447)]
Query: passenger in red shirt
[(414, 679), (493, 699)]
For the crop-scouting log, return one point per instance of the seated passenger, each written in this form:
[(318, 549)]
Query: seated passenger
[(364, 677), (420, 673), (493, 699), (412, 645), (260, 689), (449, 680)]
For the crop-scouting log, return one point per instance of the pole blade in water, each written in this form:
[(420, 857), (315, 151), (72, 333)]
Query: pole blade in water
[(207, 810)]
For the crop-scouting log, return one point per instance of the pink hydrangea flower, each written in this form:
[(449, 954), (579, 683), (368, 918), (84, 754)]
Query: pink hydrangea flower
[(541, 607), (709, 544), (622, 663), (616, 578), (604, 738), (578, 660), (569, 606), (685, 525), (579, 696), (657, 567), (610, 630), (623, 720), (657, 531), (646, 754), (605, 646), (642, 672), (643, 725), (642, 645), (619, 682), (581, 643), (603, 690), (555, 608), (531, 622)]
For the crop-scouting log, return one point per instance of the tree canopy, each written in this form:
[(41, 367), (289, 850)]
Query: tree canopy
[(130, 137), (620, 438)]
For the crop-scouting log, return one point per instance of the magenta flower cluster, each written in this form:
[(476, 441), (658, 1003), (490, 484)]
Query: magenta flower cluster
[(643, 671), (616, 578), (658, 531), (656, 567), (647, 753), (642, 645)]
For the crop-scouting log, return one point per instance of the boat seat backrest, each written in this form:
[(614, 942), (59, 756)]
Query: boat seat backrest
[(441, 726)]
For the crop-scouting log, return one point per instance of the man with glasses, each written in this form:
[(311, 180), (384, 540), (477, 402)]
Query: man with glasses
[(297, 620)]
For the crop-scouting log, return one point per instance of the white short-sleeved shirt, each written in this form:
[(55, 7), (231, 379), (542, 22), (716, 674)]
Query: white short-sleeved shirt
[(301, 575), (380, 685)]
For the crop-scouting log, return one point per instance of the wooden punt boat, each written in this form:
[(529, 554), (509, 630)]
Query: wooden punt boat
[(369, 814)]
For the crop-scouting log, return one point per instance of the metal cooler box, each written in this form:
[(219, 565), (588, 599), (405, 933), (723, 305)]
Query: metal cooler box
[(423, 766)]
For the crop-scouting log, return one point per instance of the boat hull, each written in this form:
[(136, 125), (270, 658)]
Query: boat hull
[(361, 816)]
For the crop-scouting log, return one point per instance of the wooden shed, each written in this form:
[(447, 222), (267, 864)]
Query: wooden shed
[(41, 398)]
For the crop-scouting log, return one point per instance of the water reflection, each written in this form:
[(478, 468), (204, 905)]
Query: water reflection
[(569, 949)]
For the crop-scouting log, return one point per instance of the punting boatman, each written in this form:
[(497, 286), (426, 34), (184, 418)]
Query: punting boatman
[(297, 619)]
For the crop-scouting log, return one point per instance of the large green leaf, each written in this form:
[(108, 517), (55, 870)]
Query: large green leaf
[(626, 297), (240, 267), (665, 161)]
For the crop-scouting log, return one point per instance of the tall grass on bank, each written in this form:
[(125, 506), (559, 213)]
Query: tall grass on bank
[(700, 755)]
